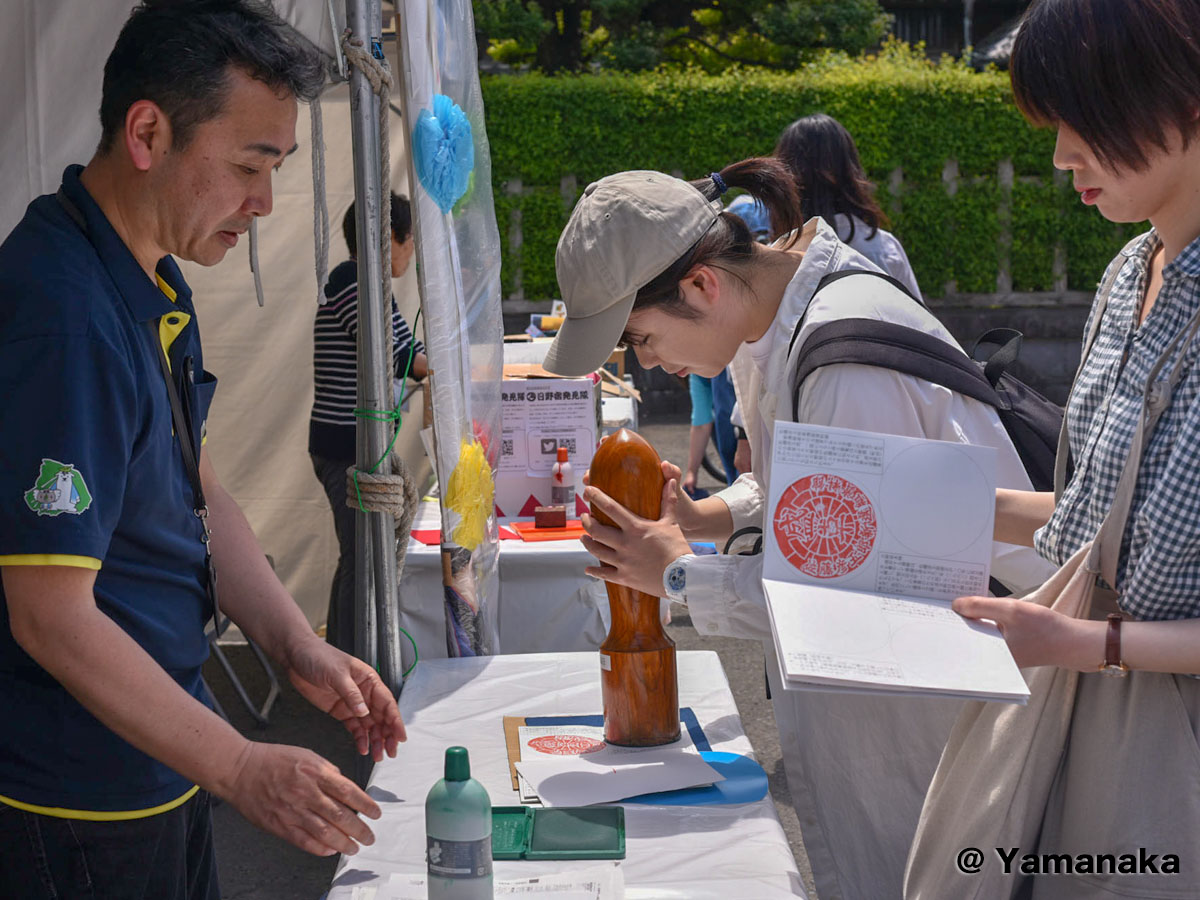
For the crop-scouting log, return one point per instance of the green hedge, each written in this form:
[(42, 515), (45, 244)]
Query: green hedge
[(903, 111)]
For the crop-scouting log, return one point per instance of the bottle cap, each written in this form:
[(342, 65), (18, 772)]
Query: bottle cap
[(562, 454), (458, 764)]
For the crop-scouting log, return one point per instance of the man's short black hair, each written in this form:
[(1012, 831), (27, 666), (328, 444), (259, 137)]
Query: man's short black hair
[(179, 53), (401, 222), (1122, 74)]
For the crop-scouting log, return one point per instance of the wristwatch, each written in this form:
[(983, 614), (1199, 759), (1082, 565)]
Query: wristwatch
[(675, 579), (1112, 664)]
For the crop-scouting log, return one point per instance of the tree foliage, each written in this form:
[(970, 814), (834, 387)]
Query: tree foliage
[(634, 35), (908, 115)]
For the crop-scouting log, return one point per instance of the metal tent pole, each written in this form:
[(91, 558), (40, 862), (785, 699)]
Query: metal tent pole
[(375, 559), (401, 75)]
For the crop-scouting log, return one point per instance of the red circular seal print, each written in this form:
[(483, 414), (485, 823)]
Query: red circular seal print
[(825, 526), (565, 744)]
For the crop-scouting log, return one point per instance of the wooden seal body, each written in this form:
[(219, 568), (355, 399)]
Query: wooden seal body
[(637, 660)]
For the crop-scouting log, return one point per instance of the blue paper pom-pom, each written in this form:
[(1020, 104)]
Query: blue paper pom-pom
[(443, 151)]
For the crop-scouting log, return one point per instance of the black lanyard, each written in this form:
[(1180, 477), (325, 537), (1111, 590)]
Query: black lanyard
[(183, 428)]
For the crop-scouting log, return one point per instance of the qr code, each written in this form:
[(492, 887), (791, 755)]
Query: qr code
[(550, 445), (506, 447)]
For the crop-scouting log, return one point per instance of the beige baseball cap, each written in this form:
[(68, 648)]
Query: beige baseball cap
[(625, 230)]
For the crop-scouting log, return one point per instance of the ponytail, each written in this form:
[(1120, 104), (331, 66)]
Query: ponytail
[(728, 245), (766, 179)]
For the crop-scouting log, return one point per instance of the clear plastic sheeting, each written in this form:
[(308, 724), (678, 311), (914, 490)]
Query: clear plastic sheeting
[(458, 257)]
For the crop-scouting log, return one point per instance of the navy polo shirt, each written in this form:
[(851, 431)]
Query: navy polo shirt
[(91, 475)]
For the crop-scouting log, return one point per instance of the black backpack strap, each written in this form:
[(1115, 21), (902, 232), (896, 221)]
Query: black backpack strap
[(887, 345), (1007, 342), (742, 532), (838, 276)]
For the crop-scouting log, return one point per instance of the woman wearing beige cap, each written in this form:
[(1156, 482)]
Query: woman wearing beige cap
[(651, 261)]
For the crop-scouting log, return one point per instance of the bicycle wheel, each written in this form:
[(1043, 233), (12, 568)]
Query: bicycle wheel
[(711, 461)]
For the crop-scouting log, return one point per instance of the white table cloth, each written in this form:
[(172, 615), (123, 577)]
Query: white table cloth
[(730, 852), (546, 601)]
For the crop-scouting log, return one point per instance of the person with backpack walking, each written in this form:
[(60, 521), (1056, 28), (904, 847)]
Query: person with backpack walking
[(651, 261), (1119, 81), (824, 161)]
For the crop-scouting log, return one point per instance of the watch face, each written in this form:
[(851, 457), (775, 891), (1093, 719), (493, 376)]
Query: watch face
[(676, 579)]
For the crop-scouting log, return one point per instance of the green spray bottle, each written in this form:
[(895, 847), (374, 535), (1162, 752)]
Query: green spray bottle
[(458, 833)]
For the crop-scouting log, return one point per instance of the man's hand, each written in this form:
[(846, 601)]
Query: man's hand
[(688, 484), (302, 798), (741, 456), (350, 691), (1038, 636), (637, 551), (685, 507)]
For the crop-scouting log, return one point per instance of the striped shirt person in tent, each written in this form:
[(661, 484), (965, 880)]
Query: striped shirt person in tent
[(331, 441)]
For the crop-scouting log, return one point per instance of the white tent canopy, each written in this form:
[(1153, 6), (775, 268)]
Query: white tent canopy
[(51, 61)]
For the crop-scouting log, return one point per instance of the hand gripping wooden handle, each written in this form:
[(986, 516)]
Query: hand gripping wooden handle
[(637, 660)]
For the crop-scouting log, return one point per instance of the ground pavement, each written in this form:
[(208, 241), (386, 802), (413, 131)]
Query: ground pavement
[(256, 866)]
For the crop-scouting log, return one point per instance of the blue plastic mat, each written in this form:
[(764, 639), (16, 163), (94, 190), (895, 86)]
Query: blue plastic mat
[(745, 782)]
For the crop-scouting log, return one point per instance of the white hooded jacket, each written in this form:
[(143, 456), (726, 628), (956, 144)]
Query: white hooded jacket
[(858, 766)]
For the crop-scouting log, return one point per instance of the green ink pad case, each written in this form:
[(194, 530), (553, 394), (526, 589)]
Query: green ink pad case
[(559, 832)]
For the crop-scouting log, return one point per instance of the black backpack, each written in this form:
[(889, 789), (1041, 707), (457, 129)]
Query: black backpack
[(1032, 421)]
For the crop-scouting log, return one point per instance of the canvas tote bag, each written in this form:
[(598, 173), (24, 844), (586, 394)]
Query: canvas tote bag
[(995, 776)]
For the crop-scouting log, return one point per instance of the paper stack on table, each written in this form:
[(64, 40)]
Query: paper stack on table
[(868, 537), (593, 883), (571, 765)]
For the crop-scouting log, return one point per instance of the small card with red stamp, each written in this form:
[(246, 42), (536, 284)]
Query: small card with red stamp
[(571, 765), (867, 539)]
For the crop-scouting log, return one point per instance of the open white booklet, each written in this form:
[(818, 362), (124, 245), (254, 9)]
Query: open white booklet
[(867, 539)]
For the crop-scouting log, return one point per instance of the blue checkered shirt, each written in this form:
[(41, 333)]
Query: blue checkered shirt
[(1158, 575)]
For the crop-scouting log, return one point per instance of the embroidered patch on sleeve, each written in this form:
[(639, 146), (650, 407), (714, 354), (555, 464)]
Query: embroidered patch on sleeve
[(59, 488)]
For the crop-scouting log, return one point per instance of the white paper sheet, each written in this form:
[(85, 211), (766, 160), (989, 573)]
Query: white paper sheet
[(540, 414), (559, 742), (868, 539), (595, 883), (584, 780)]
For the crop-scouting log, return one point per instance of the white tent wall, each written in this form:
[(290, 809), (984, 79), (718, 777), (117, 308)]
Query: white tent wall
[(258, 428), (51, 63)]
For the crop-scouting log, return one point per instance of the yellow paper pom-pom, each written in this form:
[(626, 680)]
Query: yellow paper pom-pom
[(470, 494)]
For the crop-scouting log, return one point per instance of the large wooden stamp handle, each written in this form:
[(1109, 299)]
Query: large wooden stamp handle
[(637, 660)]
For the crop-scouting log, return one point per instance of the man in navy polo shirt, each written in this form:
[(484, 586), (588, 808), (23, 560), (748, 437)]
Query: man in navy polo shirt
[(108, 751)]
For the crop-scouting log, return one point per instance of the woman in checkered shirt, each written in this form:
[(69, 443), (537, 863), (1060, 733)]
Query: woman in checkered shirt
[(1120, 80)]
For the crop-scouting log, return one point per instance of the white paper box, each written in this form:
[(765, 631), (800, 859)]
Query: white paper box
[(537, 415)]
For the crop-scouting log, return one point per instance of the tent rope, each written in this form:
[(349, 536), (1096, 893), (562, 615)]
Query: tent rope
[(320, 203), (395, 494), (379, 74)]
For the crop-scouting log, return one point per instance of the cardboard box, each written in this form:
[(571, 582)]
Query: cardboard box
[(616, 364), (522, 350), (537, 415)]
